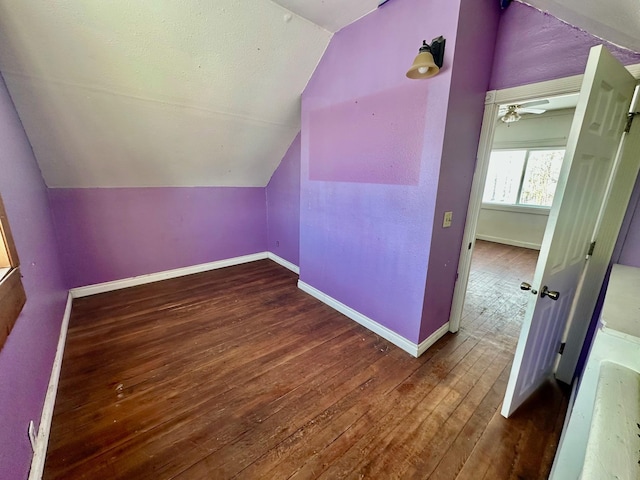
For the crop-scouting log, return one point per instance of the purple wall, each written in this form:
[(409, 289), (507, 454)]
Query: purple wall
[(115, 233), (283, 206), (366, 225), (477, 25), (374, 147), (27, 356), (533, 46)]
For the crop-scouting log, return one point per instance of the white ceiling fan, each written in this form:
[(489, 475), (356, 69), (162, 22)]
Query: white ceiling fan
[(511, 113)]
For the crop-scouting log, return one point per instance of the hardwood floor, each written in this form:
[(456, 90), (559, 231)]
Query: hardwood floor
[(236, 373), (494, 286)]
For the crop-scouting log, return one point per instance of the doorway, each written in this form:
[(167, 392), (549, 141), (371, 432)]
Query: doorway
[(592, 148), (493, 100), (525, 157)]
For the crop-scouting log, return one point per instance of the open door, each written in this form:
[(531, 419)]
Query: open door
[(599, 121), (610, 222)]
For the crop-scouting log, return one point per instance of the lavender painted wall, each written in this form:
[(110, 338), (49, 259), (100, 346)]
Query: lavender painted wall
[(27, 356), (283, 206), (533, 46), (374, 147), (471, 72), (115, 233), (365, 237)]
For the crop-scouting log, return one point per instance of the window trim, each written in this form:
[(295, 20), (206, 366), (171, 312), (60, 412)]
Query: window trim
[(12, 294), (519, 208)]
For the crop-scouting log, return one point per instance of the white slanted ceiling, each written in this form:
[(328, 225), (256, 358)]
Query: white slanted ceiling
[(330, 14), (162, 92), (617, 21)]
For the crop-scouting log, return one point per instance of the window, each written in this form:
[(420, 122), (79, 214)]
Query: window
[(12, 296), (523, 177)]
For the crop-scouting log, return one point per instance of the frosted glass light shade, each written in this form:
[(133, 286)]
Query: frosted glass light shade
[(423, 63)]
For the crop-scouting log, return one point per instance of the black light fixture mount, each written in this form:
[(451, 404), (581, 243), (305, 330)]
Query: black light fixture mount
[(429, 60), (504, 4)]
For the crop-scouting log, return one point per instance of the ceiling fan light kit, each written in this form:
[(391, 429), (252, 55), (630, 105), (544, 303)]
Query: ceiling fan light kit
[(512, 113), (511, 116)]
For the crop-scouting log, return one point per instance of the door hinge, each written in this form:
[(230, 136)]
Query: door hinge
[(561, 349), (592, 247), (630, 117)]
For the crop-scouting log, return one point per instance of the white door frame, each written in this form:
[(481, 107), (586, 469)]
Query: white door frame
[(561, 86)]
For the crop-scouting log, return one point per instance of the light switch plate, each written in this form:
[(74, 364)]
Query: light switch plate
[(448, 217)]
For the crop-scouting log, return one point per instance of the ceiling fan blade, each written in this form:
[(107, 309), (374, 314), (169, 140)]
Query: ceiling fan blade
[(537, 111), (534, 104)]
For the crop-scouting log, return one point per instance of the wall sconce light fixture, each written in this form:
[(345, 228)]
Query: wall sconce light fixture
[(429, 60)]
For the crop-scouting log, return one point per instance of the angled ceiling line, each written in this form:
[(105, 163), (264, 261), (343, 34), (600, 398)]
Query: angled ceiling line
[(576, 27), (145, 99), (330, 15), (301, 17)]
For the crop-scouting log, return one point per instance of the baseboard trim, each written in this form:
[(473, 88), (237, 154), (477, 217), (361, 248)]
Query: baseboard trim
[(398, 340), (156, 277), (44, 429), (424, 345), (508, 241), (285, 263)]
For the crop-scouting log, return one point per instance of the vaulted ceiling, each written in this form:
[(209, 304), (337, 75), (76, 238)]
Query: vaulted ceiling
[(163, 92), (188, 92)]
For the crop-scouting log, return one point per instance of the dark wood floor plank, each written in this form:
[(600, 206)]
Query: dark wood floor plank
[(315, 435), (219, 362), (446, 425), (254, 419), (259, 384), (236, 373), (236, 456), (419, 429), (413, 400), (458, 453), (185, 434), (381, 411)]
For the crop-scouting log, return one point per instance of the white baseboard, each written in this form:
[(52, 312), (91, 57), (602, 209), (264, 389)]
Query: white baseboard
[(284, 263), (156, 277), (42, 439), (509, 241), (433, 338), (398, 340)]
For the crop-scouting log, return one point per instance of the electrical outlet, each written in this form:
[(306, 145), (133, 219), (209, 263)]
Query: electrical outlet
[(448, 217)]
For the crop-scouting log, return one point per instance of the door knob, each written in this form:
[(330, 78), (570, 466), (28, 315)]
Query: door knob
[(527, 286), (549, 293)]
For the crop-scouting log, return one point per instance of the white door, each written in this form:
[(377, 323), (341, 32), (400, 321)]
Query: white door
[(610, 222), (595, 134)]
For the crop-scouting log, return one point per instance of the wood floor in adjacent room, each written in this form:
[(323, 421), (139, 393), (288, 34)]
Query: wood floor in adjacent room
[(236, 373)]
